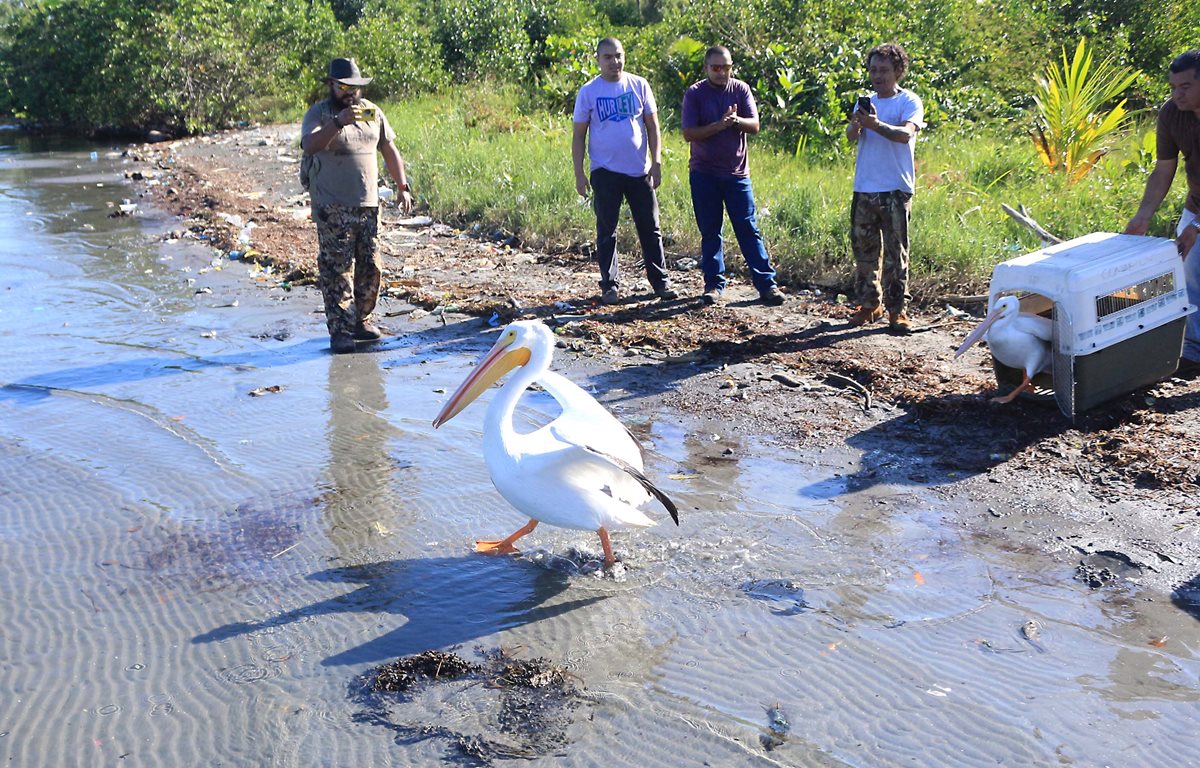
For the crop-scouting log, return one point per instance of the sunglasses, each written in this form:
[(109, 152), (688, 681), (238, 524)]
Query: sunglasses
[(343, 88), (721, 67)]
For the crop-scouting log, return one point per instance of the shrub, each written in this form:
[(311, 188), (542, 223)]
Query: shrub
[(1073, 127)]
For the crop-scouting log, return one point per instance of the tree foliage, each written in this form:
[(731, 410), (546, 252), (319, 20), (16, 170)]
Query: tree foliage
[(190, 65)]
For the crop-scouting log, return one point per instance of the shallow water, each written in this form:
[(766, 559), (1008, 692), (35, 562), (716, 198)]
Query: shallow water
[(196, 576)]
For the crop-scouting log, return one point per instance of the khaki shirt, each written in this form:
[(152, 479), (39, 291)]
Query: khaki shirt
[(347, 171)]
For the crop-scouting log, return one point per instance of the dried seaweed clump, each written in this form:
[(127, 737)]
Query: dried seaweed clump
[(525, 706), (400, 675), (532, 673)]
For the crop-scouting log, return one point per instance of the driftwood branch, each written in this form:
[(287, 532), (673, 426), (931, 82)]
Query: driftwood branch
[(980, 298), (846, 381), (1022, 217)]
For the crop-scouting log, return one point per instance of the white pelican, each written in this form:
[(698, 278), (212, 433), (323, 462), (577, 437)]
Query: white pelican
[(1018, 339), (583, 470)]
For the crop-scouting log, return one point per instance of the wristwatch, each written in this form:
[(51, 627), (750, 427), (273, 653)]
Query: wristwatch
[(1195, 224)]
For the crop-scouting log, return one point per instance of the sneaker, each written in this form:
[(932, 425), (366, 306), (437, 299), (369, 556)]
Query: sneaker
[(772, 297), (666, 293), (341, 343), (367, 332), (899, 324), (865, 315), (610, 296), (711, 296)]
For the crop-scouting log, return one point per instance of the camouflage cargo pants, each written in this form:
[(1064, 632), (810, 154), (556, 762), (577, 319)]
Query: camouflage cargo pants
[(348, 264), (879, 239)]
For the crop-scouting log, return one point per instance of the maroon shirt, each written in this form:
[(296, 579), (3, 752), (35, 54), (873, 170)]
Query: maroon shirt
[(723, 154), (1179, 133)]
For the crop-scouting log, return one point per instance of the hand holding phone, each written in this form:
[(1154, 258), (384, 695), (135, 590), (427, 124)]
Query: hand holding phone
[(365, 114), (864, 105)]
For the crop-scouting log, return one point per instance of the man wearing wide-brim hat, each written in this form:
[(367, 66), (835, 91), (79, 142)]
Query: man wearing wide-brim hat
[(340, 136)]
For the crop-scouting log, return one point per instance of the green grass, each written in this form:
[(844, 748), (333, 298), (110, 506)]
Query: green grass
[(476, 159)]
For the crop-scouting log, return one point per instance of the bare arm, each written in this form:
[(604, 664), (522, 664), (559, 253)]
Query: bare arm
[(395, 167), (654, 142), (901, 134), (578, 142), (318, 139), (1157, 187), (729, 120), (854, 128)]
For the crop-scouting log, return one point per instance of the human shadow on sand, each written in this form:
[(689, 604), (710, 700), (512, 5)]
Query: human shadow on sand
[(89, 377), (658, 376), (437, 602), (943, 439), (1186, 597)]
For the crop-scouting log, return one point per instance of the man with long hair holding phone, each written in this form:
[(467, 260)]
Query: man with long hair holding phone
[(884, 126)]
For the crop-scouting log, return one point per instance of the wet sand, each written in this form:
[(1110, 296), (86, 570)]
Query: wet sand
[(201, 576)]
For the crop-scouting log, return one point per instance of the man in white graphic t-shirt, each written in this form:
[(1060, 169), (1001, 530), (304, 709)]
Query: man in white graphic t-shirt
[(885, 127), (616, 120)]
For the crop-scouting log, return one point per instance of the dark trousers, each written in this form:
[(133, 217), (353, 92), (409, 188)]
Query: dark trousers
[(609, 189)]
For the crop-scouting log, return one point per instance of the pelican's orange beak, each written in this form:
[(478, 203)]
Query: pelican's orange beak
[(980, 330), (499, 360)]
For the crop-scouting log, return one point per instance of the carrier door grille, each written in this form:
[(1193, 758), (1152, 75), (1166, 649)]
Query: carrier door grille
[(1133, 295), (1064, 362)]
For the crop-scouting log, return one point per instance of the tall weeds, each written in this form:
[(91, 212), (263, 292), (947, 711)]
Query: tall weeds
[(477, 160)]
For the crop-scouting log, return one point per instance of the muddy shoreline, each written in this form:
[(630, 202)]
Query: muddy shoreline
[(1113, 496)]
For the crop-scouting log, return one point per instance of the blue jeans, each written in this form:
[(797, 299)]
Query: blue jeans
[(712, 196), (1191, 274)]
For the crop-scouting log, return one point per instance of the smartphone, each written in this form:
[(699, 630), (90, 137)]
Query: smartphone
[(864, 104), (368, 114)]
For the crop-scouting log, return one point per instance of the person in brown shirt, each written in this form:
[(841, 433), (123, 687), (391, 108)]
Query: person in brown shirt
[(1179, 134), (340, 136)]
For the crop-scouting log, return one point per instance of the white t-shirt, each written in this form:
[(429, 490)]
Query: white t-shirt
[(884, 165), (616, 131)]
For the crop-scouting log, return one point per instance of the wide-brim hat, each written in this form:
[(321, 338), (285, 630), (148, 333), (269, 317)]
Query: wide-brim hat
[(346, 71)]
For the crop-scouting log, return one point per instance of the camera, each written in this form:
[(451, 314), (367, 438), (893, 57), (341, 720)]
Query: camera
[(864, 104)]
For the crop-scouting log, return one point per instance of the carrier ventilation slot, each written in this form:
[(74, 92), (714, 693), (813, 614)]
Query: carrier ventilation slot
[(1134, 295)]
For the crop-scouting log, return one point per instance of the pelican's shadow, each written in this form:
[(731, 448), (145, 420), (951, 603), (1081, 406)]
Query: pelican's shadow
[(442, 601)]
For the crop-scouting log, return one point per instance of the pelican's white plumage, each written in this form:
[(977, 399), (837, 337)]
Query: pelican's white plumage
[(1018, 339), (583, 470)]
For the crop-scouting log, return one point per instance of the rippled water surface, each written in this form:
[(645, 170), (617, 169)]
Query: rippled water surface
[(197, 576)]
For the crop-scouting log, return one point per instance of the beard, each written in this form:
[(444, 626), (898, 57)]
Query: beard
[(343, 100)]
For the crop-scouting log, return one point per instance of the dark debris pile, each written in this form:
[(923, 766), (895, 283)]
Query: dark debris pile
[(529, 703), (402, 674)]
